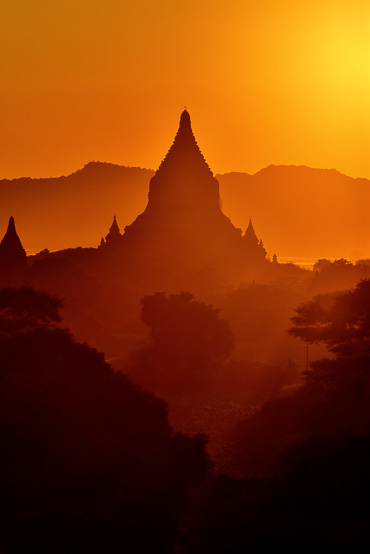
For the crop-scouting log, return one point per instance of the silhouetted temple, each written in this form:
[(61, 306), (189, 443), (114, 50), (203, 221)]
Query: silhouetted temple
[(114, 235), (255, 249), (13, 257), (183, 222)]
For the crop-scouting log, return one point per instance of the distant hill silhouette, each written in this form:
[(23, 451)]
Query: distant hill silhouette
[(299, 211), (76, 210)]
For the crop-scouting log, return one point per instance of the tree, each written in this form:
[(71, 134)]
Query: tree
[(25, 309), (339, 320), (335, 395), (321, 264), (89, 462), (189, 340), (318, 503)]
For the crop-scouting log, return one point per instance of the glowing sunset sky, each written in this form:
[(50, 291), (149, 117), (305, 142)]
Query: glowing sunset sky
[(281, 82)]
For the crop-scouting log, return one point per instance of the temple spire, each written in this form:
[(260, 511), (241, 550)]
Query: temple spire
[(184, 154), (185, 122), (114, 235), (250, 233), (114, 227), (12, 254), (254, 247), (11, 240)]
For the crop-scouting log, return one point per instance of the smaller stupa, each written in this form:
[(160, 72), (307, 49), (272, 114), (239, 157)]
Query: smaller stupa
[(13, 257), (254, 247), (114, 237)]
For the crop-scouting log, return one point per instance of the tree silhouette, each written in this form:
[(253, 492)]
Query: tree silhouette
[(340, 320), (188, 338), (335, 395), (25, 309), (88, 460), (319, 503)]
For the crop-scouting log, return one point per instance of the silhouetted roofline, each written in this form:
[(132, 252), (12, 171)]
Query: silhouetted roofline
[(11, 247), (184, 139), (11, 232), (114, 227)]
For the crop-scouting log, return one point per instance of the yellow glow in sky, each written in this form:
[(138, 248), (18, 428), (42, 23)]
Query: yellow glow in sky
[(265, 82)]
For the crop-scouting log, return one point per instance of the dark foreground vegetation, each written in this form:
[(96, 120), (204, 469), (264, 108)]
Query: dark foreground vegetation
[(88, 460), (90, 464)]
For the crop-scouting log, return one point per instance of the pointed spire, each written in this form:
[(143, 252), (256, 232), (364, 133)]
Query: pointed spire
[(11, 239), (114, 233), (114, 229), (184, 154), (11, 225), (250, 234), (185, 122), (12, 253), (254, 247)]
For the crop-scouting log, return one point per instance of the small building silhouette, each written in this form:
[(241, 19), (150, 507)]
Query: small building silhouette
[(114, 237), (253, 246), (13, 257)]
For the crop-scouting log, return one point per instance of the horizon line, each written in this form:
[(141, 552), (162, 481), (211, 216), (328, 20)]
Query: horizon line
[(73, 172)]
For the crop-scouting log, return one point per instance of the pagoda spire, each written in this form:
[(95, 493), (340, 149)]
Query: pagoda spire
[(114, 229), (255, 249), (184, 151), (250, 233), (114, 235), (12, 254)]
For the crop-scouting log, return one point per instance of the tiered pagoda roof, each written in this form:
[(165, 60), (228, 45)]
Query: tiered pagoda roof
[(184, 153), (250, 234)]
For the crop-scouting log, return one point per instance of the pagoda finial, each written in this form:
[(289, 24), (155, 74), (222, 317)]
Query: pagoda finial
[(185, 120)]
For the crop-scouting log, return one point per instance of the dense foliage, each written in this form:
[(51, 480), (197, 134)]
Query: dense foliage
[(188, 342), (340, 320), (88, 460)]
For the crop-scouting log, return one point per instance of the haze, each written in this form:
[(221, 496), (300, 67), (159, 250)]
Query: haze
[(170, 380)]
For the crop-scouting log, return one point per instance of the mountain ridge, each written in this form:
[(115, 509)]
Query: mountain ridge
[(296, 210)]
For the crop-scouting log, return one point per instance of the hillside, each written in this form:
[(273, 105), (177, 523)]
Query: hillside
[(298, 211), (76, 210)]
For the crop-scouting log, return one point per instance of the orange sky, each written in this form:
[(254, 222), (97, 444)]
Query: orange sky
[(280, 82)]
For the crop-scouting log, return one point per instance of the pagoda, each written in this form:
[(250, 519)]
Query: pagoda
[(183, 226), (114, 236), (13, 257), (254, 247)]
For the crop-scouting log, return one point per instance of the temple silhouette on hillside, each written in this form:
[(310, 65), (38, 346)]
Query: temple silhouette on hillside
[(255, 248), (113, 237), (182, 229), (183, 221)]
